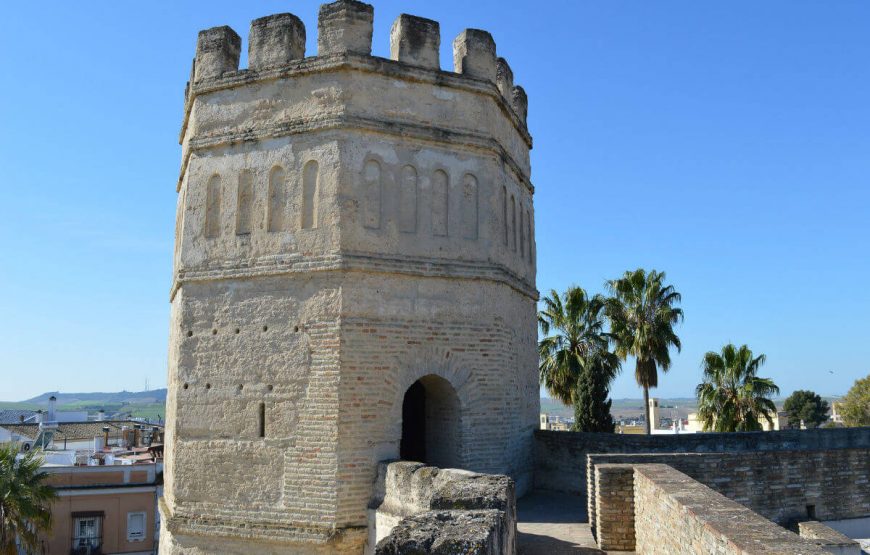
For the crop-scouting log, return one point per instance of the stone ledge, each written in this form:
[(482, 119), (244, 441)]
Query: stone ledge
[(403, 129), (356, 62), (243, 528), (352, 261)]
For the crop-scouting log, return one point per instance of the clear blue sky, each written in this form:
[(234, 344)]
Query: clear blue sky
[(727, 143)]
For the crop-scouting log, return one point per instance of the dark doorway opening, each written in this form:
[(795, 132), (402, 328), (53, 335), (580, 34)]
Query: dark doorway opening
[(431, 431), (413, 446)]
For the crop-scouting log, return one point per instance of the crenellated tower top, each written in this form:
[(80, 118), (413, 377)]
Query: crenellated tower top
[(276, 48)]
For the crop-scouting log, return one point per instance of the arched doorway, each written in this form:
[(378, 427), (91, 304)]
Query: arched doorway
[(431, 431)]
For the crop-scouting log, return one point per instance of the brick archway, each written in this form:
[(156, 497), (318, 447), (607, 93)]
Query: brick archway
[(431, 423)]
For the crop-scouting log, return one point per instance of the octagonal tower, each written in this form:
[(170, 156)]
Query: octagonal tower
[(354, 279)]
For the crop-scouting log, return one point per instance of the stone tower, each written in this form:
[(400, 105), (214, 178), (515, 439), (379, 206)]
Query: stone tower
[(354, 279)]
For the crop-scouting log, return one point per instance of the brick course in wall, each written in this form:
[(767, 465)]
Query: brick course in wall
[(614, 506)]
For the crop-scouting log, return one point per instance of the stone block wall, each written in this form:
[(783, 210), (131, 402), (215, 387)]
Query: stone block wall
[(560, 457), (423, 509), (676, 515), (614, 506), (785, 487)]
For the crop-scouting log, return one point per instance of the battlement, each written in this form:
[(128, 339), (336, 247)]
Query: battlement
[(344, 27)]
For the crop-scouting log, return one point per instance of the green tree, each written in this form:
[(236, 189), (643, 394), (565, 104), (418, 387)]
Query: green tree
[(732, 398), (855, 406), (807, 407), (642, 316), (25, 500), (576, 366)]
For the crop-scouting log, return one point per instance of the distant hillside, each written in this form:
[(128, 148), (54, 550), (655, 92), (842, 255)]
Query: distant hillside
[(117, 398)]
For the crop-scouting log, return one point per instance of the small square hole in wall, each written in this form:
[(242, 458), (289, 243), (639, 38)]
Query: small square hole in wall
[(811, 512)]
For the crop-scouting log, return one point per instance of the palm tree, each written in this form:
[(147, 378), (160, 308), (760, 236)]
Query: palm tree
[(575, 357), (25, 500), (642, 317), (732, 398)]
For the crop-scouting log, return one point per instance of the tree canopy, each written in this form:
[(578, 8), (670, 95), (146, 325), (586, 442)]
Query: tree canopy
[(25, 500), (807, 407), (855, 406), (732, 398), (576, 366), (642, 314)]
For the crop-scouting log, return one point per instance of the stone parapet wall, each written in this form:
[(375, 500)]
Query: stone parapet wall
[(423, 509), (676, 515), (785, 487), (828, 539), (561, 456)]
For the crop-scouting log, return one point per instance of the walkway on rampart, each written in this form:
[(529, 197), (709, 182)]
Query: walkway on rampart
[(551, 523)]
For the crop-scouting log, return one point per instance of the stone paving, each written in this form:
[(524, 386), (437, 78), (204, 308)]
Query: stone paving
[(551, 523)]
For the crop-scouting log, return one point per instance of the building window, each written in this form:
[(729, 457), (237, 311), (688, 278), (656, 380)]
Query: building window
[(136, 527), (261, 420), (87, 532)]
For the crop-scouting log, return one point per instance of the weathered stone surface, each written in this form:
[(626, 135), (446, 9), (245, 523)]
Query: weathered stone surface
[(474, 54), (406, 488), (415, 40), (217, 52), (345, 26), (504, 79), (520, 103), (446, 533), (275, 40)]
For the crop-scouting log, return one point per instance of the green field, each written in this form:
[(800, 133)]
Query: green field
[(120, 405)]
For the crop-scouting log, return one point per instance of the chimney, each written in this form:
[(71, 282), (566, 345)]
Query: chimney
[(101, 415), (106, 433), (39, 416), (52, 414)]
